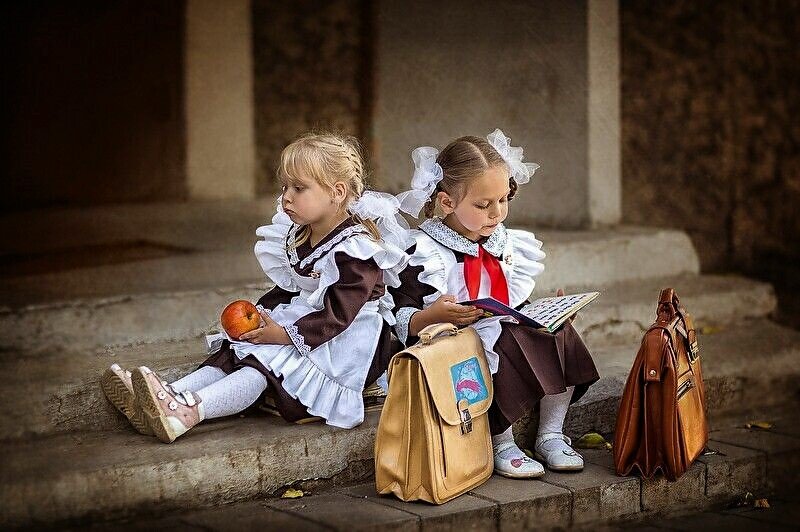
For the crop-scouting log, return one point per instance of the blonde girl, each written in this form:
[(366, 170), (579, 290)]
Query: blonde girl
[(331, 251)]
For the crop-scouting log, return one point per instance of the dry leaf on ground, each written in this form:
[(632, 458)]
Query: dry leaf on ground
[(592, 440), (292, 493), (758, 425)]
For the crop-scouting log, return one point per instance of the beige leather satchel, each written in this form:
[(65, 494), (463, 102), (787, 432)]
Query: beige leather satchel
[(433, 440)]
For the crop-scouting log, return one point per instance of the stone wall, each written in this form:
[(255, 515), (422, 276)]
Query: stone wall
[(92, 102), (311, 63), (710, 129)]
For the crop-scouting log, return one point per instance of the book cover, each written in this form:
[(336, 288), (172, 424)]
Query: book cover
[(544, 313)]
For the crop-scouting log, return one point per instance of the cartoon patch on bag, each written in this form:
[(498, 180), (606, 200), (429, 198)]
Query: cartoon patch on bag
[(468, 381)]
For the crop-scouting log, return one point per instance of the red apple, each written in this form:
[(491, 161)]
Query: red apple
[(240, 317)]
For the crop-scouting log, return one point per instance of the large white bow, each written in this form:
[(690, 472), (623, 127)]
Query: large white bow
[(383, 209), (521, 172), (427, 174)]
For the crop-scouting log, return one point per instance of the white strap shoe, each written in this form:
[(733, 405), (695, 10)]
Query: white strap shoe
[(517, 465), (553, 448)]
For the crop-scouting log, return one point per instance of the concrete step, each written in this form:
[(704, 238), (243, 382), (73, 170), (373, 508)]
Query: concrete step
[(748, 462), (68, 377), (180, 295), (113, 473)]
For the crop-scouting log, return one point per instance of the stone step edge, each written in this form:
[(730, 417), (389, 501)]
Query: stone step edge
[(144, 321), (65, 402), (241, 473), (596, 495)]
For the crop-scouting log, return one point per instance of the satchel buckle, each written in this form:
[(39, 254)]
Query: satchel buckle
[(466, 417), (694, 352)]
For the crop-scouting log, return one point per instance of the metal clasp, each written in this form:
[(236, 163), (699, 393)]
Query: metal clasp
[(694, 352), (466, 417)]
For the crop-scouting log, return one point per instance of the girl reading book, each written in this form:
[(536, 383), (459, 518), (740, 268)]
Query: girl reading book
[(468, 254)]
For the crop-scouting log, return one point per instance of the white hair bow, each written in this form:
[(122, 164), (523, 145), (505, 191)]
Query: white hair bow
[(383, 209), (427, 174), (521, 172)]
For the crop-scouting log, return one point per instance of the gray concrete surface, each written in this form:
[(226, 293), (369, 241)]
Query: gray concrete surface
[(596, 499), (241, 458), (180, 297), (612, 327)]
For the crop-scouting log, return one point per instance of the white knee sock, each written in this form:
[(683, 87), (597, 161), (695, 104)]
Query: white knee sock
[(233, 393), (505, 437), (198, 379), (553, 410)]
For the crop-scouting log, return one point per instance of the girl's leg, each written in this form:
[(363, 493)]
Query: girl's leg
[(198, 379), (232, 393), (510, 461), (171, 414), (552, 446)]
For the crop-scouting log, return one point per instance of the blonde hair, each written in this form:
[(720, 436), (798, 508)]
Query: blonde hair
[(327, 158), (463, 160)]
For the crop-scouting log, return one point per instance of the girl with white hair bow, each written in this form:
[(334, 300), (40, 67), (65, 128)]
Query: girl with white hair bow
[(468, 254)]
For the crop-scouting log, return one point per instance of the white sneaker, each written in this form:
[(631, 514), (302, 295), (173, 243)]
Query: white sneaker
[(517, 464), (553, 448)]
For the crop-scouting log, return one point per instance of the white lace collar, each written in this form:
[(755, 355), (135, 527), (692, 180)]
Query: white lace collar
[(437, 230), (291, 248)]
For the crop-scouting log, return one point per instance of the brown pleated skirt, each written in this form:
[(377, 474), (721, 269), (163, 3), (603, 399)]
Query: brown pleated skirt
[(533, 364), (290, 408)]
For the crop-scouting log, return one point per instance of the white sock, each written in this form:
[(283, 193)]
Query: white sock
[(200, 378), (511, 452), (233, 393), (552, 411)]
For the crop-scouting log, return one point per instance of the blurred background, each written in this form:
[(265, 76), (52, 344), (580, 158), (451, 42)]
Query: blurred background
[(670, 114)]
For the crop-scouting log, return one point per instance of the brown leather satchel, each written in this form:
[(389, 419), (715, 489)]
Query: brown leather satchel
[(661, 423)]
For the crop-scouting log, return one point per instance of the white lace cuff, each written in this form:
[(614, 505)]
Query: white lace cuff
[(403, 317), (297, 339)]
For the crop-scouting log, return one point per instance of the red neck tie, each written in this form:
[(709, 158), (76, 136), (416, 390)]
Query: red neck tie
[(472, 275)]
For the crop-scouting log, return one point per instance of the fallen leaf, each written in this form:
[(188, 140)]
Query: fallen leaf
[(758, 425), (708, 451), (292, 493), (761, 503), (591, 440)]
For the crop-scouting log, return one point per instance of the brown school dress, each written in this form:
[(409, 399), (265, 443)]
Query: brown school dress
[(532, 363), (360, 281)]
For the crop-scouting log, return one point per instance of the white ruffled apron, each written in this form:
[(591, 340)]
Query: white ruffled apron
[(520, 264), (330, 379)]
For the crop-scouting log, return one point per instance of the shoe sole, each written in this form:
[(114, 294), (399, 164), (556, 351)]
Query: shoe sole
[(118, 394), (148, 402), (511, 475), (543, 460)]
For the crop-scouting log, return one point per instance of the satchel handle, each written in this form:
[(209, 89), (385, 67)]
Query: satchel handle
[(435, 329)]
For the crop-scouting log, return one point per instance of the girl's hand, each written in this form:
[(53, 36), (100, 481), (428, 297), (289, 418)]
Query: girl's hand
[(559, 293), (269, 332), (446, 310)]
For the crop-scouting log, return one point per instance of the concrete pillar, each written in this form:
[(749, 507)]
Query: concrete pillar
[(220, 140), (605, 167), (454, 67)]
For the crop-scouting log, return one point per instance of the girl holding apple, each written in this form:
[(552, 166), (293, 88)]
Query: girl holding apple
[(332, 250)]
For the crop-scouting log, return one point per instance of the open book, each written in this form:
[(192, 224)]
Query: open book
[(545, 313)]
